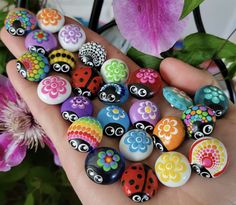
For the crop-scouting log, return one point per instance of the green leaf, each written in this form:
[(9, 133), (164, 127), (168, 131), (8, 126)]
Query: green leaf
[(189, 6), (29, 199), (144, 60)]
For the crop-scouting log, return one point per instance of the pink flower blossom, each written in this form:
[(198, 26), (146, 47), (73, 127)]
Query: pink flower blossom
[(147, 75)]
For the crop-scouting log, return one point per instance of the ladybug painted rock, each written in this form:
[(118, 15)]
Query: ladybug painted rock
[(114, 120), (86, 81), (62, 60), (85, 134), (169, 133), (214, 98), (144, 83), (19, 22), (139, 182), (199, 120), (208, 157), (104, 165), (113, 94), (144, 115)]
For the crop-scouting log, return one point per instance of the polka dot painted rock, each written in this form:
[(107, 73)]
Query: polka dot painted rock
[(208, 157), (33, 66), (144, 115), (214, 98), (104, 165), (85, 134), (139, 182), (168, 134), (199, 120), (172, 169)]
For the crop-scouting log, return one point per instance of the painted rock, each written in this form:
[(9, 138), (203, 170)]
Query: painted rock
[(85, 134), (41, 42), (199, 120), (75, 107), (208, 157), (71, 37), (19, 22), (144, 83), (62, 61), (113, 94), (168, 134), (144, 115), (172, 169), (54, 90), (104, 165), (139, 182), (177, 98), (136, 145), (50, 20), (214, 98), (114, 120), (33, 66), (92, 54), (86, 81)]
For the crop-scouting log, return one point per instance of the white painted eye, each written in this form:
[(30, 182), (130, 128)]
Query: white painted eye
[(145, 198), (90, 172), (119, 131), (65, 115), (218, 113), (133, 89), (140, 126), (65, 68), (207, 129), (32, 49), (74, 144), (137, 198), (73, 117), (98, 179), (23, 73), (41, 51), (157, 144), (87, 94), (18, 66), (103, 96), (142, 92), (12, 31), (83, 148), (109, 131), (79, 91), (198, 135), (20, 31), (56, 67), (111, 98), (148, 128)]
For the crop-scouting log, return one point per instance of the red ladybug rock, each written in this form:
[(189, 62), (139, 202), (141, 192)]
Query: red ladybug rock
[(139, 182), (86, 81)]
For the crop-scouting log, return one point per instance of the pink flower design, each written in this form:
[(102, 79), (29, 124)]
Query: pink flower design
[(79, 102), (147, 75), (54, 86)]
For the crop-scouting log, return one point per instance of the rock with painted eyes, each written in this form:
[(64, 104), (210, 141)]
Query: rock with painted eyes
[(62, 61), (104, 165), (86, 81), (144, 114), (33, 66), (214, 98), (139, 182), (136, 145), (168, 133), (75, 107), (19, 22), (40, 41), (115, 121), (199, 121), (208, 157), (85, 134), (144, 83), (113, 94)]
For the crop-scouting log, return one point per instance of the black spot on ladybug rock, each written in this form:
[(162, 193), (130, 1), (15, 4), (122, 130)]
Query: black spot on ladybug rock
[(139, 176), (81, 80), (58, 55), (149, 187), (86, 73), (95, 81), (68, 56), (131, 182), (137, 187), (140, 168), (63, 55), (134, 167), (126, 172), (52, 56), (151, 180)]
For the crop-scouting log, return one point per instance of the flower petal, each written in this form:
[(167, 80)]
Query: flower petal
[(155, 22)]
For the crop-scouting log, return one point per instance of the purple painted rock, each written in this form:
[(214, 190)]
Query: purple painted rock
[(75, 107)]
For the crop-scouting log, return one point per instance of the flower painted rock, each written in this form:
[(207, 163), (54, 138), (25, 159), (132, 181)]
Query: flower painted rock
[(75, 107), (40, 41), (104, 165), (144, 115), (208, 157), (114, 120), (92, 54), (50, 20), (115, 71), (172, 169), (62, 61), (199, 121), (86, 81), (139, 182), (85, 134), (19, 22), (54, 90), (71, 37), (214, 98), (169, 133), (136, 145), (144, 83), (177, 98), (113, 94), (33, 66)]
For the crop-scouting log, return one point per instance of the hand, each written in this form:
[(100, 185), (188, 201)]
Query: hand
[(197, 191)]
